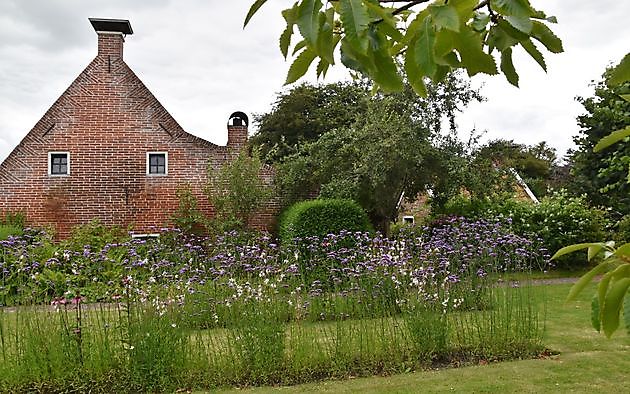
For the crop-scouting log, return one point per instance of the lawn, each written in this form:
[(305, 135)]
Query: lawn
[(586, 362)]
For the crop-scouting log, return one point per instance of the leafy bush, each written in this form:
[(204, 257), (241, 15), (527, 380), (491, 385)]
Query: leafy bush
[(7, 230), (557, 221), (621, 230), (561, 220), (188, 217), (94, 235), (322, 217), (17, 219)]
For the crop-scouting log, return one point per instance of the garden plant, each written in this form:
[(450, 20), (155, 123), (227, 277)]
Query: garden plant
[(193, 312)]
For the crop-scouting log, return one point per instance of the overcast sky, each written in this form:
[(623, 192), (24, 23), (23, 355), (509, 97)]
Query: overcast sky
[(199, 62)]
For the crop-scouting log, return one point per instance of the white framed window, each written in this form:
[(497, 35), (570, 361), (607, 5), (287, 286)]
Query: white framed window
[(58, 163), (157, 163)]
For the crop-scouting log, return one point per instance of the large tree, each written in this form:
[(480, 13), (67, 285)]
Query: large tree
[(603, 175), (373, 162), (390, 149), (391, 41), (304, 113)]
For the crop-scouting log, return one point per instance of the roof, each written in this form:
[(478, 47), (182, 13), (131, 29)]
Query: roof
[(111, 25)]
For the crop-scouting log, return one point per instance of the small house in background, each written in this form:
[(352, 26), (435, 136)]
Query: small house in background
[(411, 212), (108, 150)]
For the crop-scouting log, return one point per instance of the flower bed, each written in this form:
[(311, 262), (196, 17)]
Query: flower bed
[(240, 310)]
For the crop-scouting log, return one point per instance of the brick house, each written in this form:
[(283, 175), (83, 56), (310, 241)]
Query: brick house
[(108, 150)]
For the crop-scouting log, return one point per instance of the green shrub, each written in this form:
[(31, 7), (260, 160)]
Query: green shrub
[(322, 217), (7, 230), (16, 219), (188, 217), (558, 220), (621, 230), (95, 234)]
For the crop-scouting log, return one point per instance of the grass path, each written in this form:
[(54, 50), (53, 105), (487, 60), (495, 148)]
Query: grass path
[(587, 363)]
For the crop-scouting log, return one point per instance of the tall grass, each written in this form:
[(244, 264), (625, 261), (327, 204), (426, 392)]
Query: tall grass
[(185, 314)]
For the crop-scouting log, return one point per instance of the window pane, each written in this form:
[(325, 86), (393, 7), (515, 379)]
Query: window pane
[(59, 163), (157, 163)]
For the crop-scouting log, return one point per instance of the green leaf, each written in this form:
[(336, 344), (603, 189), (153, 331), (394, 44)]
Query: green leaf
[(595, 314), (445, 17), (625, 97), (355, 19), (325, 42), (529, 46), (423, 53), (480, 21), (473, 58), (626, 312), (542, 33), (308, 20), (612, 138), (252, 10), (300, 65), (621, 73), (575, 248), (322, 68), (414, 74), (523, 24), (594, 251), (612, 306), (285, 40), (508, 67), (385, 72), (623, 250), (577, 288), (519, 8)]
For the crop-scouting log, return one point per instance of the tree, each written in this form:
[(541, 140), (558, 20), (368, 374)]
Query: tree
[(304, 113), (614, 287), (603, 174), (373, 162), (302, 174), (390, 41)]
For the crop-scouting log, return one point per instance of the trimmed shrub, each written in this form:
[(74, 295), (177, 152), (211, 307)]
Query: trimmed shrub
[(322, 217)]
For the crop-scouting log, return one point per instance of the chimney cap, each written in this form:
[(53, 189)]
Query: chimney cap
[(111, 25)]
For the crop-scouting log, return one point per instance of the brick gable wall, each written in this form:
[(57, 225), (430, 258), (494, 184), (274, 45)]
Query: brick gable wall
[(108, 120)]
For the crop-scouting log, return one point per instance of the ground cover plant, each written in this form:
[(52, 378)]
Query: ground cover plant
[(181, 312)]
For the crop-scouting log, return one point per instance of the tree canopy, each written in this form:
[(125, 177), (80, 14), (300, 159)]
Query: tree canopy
[(603, 173), (393, 41)]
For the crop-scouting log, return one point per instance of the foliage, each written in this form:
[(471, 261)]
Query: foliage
[(321, 217), (188, 217), (387, 152), (621, 230), (94, 235), (613, 287), (194, 313), (603, 174), (237, 191), (384, 42), (558, 220), (305, 113), (16, 219)]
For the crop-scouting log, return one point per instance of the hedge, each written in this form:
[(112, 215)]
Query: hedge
[(321, 217)]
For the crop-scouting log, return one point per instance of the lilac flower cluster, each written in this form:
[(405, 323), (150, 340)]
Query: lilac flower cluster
[(216, 274)]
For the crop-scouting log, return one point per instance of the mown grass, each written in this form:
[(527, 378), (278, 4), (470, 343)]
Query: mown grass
[(586, 362)]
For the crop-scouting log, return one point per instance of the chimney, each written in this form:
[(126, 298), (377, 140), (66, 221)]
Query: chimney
[(111, 35), (237, 130)]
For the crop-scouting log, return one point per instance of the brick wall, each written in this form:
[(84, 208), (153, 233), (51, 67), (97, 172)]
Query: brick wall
[(108, 120)]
